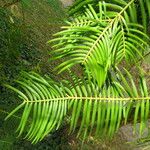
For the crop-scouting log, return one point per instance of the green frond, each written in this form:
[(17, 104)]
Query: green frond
[(101, 39), (137, 8), (94, 110), (43, 104)]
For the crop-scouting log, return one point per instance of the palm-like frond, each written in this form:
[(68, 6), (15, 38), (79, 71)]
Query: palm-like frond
[(101, 40), (91, 108), (138, 8), (43, 100)]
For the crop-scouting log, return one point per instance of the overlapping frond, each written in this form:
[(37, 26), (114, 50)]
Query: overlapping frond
[(137, 8), (92, 109), (101, 39), (100, 111)]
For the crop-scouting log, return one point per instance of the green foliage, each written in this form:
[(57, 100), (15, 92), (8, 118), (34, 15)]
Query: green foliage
[(22, 47), (100, 39), (100, 109), (139, 11), (7, 139), (16, 51), (16, 54)]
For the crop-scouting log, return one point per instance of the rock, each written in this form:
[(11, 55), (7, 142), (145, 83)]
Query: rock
[(67, 3), (134, 138)]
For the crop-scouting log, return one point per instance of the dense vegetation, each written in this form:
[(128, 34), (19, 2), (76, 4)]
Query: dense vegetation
[(23, 48), (105, 40)]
